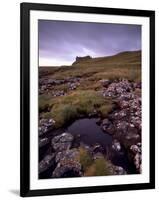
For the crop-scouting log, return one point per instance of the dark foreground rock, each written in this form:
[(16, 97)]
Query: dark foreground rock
[(68, 164), (46, 163)]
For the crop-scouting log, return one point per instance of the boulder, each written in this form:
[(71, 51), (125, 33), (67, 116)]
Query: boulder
[(67, 164), (62, 142)]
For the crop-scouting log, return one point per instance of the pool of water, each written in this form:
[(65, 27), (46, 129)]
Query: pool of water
[(89, 132)]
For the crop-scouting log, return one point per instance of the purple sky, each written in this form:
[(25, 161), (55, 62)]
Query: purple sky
[(61, 41)]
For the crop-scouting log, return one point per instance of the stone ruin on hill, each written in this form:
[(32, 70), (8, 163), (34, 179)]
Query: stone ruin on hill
[(81, 59)]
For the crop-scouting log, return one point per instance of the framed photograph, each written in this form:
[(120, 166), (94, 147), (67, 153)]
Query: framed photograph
[(87, 99)]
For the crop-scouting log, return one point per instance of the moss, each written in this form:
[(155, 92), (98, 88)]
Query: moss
[(105, 109), (98, 168), (70, 107), (85, 158), (44, 103)]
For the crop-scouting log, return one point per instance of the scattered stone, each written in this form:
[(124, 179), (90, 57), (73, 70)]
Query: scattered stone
[(117, 89), (58, 93)]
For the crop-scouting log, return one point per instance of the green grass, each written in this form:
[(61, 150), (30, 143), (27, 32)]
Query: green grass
[(85, 158), (98, 168), (81, 102), (44, 102)]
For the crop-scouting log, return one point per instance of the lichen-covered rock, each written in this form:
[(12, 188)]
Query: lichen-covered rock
[(117, 89), (125, 119), (62, 142), (67, 164), (45, 125)]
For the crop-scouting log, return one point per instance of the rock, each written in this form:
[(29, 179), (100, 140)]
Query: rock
[(62, 142), (71, 154), (43, 142), (108, 127), (81, 59), (116, 170), (58, 93), (116, 146), (68, 164), (97, 148), (117, 89), (46, 163), (72, 169), (137, 161), (135, 149), (105, 82), (106, 122), (132, 138), (119, 170), (122, 126), (45, 125)]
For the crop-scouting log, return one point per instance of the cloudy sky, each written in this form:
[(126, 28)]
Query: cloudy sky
[(61, 41)]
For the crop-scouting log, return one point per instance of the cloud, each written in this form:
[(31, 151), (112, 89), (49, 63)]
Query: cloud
[(62, 41)]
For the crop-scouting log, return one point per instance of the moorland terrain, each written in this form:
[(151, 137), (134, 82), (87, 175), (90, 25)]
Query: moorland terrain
[(107, 89)]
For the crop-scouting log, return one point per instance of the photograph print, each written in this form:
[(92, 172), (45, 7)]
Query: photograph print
[(87, 99), (90, 102)]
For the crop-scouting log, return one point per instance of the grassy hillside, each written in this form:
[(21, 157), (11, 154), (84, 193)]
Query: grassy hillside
[(123, 65), (86, 97)]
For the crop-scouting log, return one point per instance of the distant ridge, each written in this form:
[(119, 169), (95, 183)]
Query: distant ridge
[(122, 57), (126, 56)]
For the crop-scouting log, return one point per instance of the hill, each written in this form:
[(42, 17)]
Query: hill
[(123, 65)]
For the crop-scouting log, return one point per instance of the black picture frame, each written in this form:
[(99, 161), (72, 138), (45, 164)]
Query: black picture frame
[(25, 9)]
